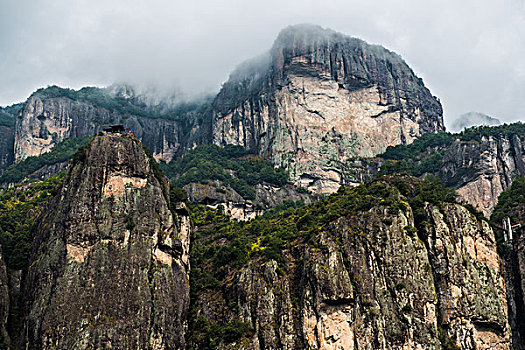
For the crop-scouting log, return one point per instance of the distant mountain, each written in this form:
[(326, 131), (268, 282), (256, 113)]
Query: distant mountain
[(473, 119)]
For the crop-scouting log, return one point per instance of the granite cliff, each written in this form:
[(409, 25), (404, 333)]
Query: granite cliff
[(479, 162), (319, 99), (7, 131), (53, 114), (109, 265), (393, 264)]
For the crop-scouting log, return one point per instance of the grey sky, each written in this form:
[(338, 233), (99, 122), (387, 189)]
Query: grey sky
[(469, 53)]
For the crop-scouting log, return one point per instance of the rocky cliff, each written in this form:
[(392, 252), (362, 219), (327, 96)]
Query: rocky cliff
[(316, 101), (7, 123), (215, 194), (320, 98), (479, 163), (43, 122), (109, 266), (481, 170), (4, 302), (366, 269)]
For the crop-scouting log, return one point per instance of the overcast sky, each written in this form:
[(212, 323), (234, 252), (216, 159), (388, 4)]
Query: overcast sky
[(470, 53)]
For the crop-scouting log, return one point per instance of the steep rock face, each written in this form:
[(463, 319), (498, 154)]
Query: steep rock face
[(7, 122), (515, 278), (320, 98), (109, 266), (372, 283), (4, 301), (480, 171), (43, 122)]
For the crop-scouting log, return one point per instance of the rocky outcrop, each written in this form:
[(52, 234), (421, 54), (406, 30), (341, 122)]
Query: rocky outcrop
[(44, 121), (7, 122), (319, 99), (4, 302), (215, 194), (514, 255), (375, 282), (481, 170), (110, 262)]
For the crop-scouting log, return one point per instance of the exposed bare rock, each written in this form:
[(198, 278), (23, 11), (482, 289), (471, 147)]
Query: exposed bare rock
[(319, 99), (469, 279), (110, 261), (481, 170), (372, 281), (215, 194), (7, 122), (44, 121)]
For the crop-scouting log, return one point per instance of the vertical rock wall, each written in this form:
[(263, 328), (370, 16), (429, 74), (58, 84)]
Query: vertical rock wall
[(109, 265), (319, 99), (372, 282)]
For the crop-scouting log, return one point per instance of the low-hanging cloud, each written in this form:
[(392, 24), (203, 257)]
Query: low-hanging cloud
[(469, 53)]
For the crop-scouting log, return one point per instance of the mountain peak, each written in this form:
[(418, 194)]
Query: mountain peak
[(110, 232)]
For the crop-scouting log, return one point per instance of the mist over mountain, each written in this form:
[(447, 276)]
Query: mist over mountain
[(470, 119), (468, 55)]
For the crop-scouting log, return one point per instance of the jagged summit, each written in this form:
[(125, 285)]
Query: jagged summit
[(110, 260), (312, 34), (319, 98)]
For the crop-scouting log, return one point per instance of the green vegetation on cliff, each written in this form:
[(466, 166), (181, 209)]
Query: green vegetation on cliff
[(8, 115), (62, 152), (20, 206), (124, 106), (232, 165), (222, 246), (425, 155), (511, 203)]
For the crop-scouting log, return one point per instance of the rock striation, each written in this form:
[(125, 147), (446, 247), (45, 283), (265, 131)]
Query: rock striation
[(319, 99), (215, 194), (7, 122), (481, 170), (43, 122), (110, 263), (374, 281)]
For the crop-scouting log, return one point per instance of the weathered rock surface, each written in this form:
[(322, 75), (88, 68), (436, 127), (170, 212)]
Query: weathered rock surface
[(43, 122), (480, 171), (319, 99), (215, 194), (7, 121), (514, 255), (373, 283), (6, 147), (109, 267)]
